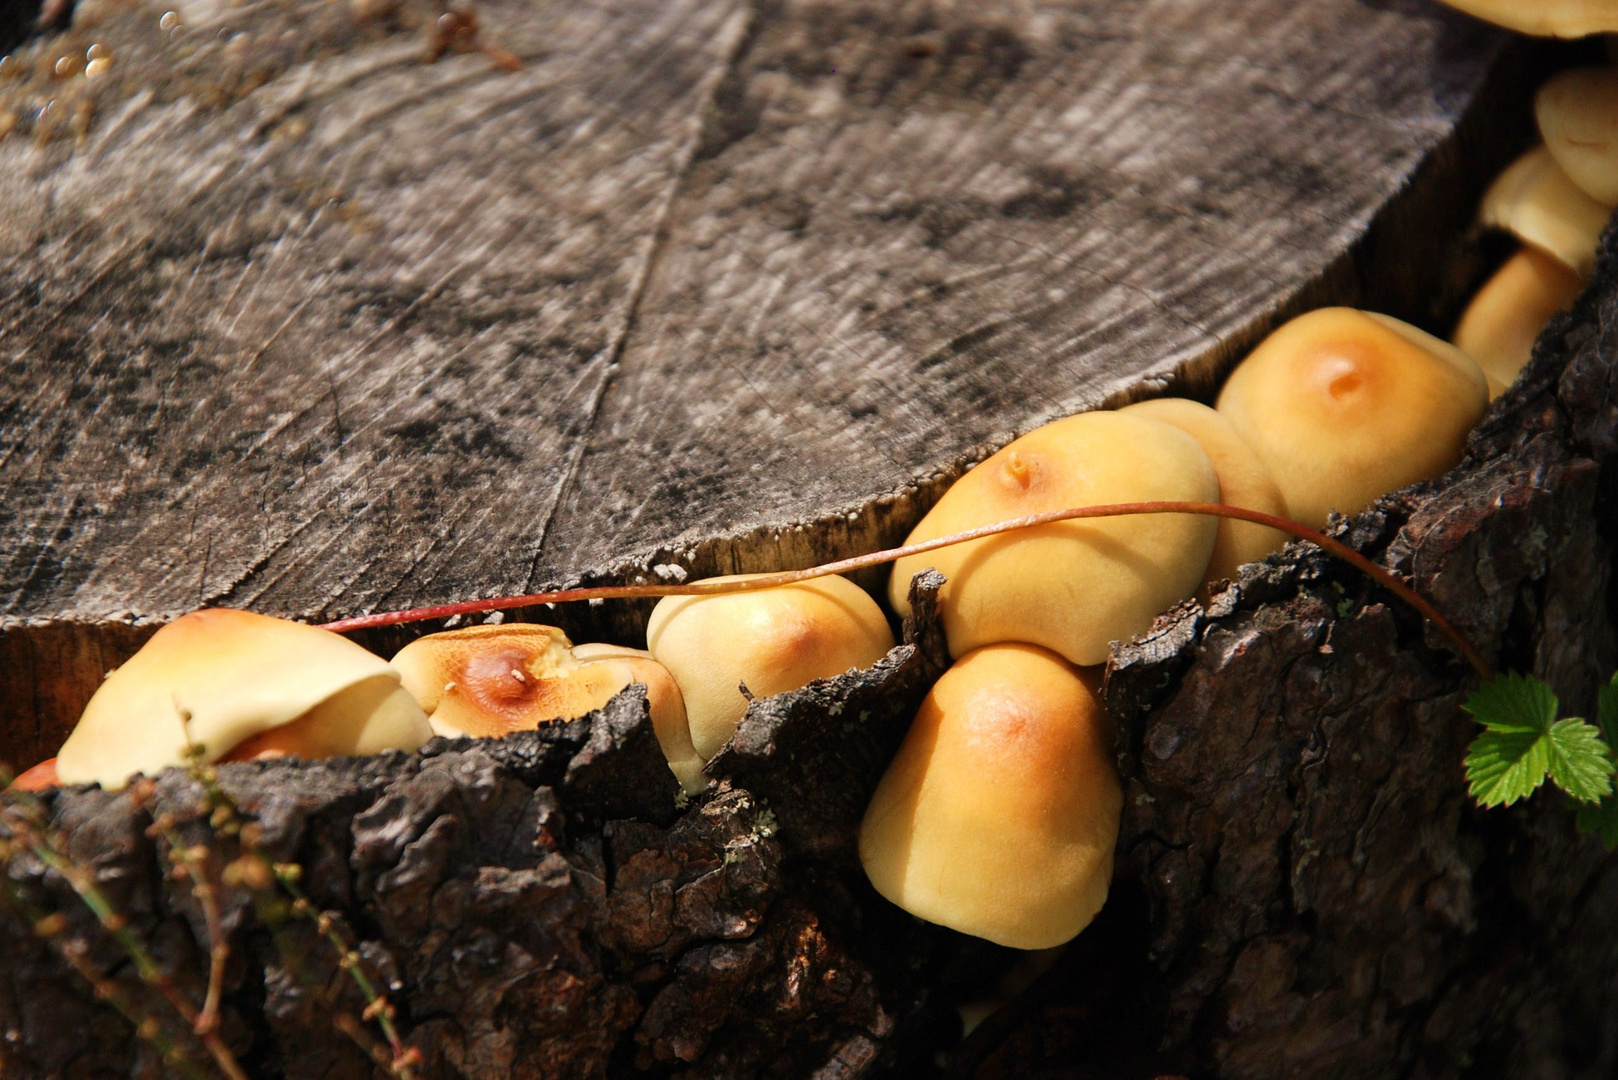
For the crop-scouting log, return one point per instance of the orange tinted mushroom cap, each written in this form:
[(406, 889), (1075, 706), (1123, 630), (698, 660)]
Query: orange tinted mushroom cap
[(1538, 203), (1243, 481), (1546, 18), (1344, 406), (1075, 586), (1577, 112), (999, 815), (225, 677), (768, 640)]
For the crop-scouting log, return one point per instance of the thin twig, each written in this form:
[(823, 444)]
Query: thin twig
[(49, 928), (38, 840), (1334, 547)]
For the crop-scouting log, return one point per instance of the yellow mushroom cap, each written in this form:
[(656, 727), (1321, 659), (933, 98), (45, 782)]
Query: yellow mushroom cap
[(1345, 406), (1243, 481), (1534, 200), (1500, 324), (236, 676), (1578, 118), (999, 815), (1075, 586), (770, 640), (1546, 18)]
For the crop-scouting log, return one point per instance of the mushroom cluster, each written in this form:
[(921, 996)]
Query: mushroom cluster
[(999, 814)]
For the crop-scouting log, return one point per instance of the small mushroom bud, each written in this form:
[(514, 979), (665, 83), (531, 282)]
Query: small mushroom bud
[(239, 685), (999, 815), (488, 681), (1500, 324), (1534, 200), (1546, 18), (1345, 406), (729, 647), (1578, 118), (1074, 586), (1243, 481)]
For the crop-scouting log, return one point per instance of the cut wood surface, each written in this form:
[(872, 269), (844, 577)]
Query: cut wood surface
[(293, 320)]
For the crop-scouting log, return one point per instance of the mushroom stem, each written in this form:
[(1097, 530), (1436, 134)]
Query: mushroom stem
[(1337, 548)]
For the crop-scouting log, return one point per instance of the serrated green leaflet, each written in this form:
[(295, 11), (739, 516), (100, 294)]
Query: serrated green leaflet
[(1580, 763), (1523, 742), (1504, 766)]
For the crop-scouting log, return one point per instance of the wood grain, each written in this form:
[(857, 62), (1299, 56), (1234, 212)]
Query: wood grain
[(291, 319)]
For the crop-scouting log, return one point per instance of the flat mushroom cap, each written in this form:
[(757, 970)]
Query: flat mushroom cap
[(1075, 586), (999, 815), (770, 640), (488, 681), (1546, 18), (1243, 481), (1499, 326), (1577, 113), (1345, 406), (1536, 201), (238, 676)]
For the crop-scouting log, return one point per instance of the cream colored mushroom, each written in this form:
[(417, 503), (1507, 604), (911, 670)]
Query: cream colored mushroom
[(1244, 481), (238, 684), (1344, 406), (769, 641), (1546, 18), (1534, 200), (1577, 112), (999, 815), (1499, 326), (489, 681), (1075, 586)]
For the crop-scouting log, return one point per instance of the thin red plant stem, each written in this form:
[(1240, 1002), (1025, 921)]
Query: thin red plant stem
[(1333, 547)]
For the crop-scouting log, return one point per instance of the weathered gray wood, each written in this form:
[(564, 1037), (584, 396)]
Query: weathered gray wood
[(378, 332)]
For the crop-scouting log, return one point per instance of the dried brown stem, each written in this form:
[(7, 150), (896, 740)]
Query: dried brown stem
[(49, 928), (26, 817), (1333, 547)]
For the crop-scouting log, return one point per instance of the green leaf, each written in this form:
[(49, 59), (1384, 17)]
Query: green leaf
[(1523, 742), (1504, 766), (1580, 763)]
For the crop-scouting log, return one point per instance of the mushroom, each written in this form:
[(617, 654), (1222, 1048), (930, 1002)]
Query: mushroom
[(1074, 586), (1577, 112), (1243, 481), (238, 685), (1499, 326), (999, 815), (1537, 202), (728, 648), (1344, 406), (1546, 18), (488, 681)]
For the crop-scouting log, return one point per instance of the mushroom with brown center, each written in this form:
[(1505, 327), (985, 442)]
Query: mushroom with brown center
[(239, 685), (488, 681), (1344, 406), (724, 648), (1073, 586), (1243, 481), (999, 814)]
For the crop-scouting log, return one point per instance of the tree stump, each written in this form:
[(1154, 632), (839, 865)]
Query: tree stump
[(319, 308)]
